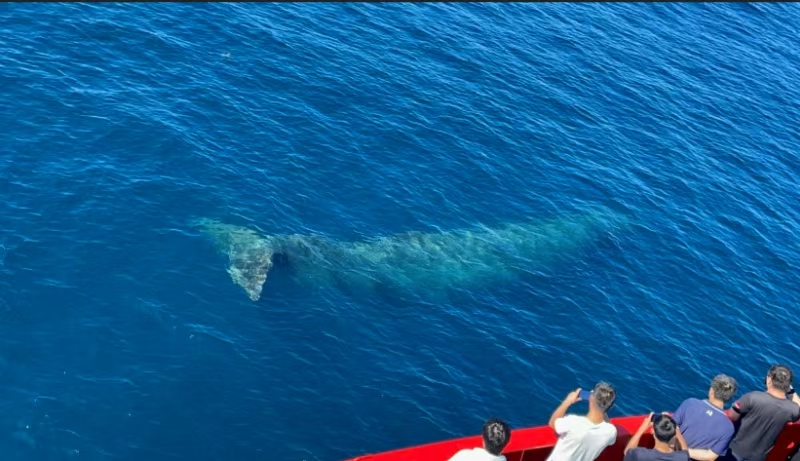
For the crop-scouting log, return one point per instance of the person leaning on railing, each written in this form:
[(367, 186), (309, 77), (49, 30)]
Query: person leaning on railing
[(496, 434), (665, 433), (583, 438), (703, 423), (763, 415)]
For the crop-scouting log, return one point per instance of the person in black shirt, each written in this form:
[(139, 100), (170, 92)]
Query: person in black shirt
[(763, 416), (665, 431)]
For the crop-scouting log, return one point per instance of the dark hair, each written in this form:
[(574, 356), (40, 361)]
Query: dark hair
[(781, 376), (664, 428), (724, 387), (604, 395), (496, 434)]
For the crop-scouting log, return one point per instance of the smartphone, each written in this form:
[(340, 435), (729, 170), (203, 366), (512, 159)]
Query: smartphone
[(584, 395)]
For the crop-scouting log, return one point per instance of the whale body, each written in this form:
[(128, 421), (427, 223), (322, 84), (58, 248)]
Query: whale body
[(418, 262)]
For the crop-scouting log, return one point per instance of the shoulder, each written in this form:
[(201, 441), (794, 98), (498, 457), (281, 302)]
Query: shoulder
[(750, 398), (789, 405), (691, 401), (635, 453), (574, 419), (609, 433), (753, 395), (471, 454), (463, 455), (610, 427), (722, 420), (682, 455), (725, 424), (569, 423)]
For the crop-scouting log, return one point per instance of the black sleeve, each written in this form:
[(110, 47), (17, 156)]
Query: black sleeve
[(743, 405)]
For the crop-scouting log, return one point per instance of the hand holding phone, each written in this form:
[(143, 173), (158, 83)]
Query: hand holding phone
[(584, 395)]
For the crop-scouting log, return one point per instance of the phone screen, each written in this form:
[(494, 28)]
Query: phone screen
[(584, 395)]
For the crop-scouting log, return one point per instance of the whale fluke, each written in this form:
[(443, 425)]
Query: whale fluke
[(249, 254)]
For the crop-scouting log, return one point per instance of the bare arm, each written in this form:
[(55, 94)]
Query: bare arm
[(634, 441), (681, 441), (702, 455), (571, 398), (741, 407), (694, 453)]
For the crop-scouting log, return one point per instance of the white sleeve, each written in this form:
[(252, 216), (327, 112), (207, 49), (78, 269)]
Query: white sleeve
[(612, 438), (565, 424)]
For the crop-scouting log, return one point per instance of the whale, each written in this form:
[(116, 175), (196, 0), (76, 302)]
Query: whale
[(422, 263)]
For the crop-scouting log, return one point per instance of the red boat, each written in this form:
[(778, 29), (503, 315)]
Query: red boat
[(535, 444)]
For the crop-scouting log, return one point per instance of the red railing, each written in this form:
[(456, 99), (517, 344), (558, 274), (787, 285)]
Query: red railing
[(535, 444)]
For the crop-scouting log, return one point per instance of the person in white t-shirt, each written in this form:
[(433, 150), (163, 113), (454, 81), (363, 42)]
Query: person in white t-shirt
[(583, 438), (496, 435)]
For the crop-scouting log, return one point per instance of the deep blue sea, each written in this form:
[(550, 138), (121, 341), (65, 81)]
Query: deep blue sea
[(122, 336)]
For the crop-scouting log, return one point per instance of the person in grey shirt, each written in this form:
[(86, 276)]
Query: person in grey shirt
[(763, 415)]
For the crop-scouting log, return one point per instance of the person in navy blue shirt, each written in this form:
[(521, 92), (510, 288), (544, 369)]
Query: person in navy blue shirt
[(703, 423)]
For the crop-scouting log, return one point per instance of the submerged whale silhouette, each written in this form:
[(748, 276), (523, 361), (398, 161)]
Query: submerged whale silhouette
[(423, 263)]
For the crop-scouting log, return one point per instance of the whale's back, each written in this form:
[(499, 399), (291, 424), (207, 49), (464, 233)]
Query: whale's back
[(420, 262)]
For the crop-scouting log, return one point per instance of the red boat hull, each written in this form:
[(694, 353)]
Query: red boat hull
[(535, 444)]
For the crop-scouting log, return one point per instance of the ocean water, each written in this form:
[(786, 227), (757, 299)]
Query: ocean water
[(122, 336)]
